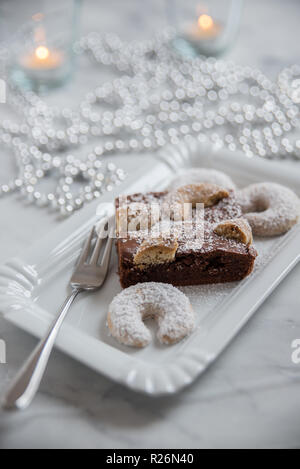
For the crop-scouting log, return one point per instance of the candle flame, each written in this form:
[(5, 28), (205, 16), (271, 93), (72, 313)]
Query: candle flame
[(205, 22), (42, 52)]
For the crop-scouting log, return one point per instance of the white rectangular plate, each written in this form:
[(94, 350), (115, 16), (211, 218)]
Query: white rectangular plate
[(32, 288)]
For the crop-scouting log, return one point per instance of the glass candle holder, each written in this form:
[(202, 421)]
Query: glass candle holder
[(38, 40), (204, 27)]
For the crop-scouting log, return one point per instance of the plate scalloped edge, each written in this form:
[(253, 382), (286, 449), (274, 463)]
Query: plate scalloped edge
[(18, 279)]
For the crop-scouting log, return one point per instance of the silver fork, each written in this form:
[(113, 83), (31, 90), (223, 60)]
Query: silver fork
[(88, 276)]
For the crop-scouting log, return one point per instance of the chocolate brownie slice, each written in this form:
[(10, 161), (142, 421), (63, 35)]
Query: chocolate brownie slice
[(211, 259)]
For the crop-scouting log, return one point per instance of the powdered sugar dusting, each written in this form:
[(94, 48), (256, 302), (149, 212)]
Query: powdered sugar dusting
[(271, 209), (205, 297), (194, 235), (165, 303)]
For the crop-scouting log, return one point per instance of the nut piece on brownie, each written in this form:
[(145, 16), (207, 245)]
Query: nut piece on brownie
[(205, 193), (155, 251), (238, 229)]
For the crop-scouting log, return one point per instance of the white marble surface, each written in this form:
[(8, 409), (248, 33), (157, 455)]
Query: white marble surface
[(250, 396)]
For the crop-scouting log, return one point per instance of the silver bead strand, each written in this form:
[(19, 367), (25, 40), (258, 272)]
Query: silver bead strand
[(157, 97)]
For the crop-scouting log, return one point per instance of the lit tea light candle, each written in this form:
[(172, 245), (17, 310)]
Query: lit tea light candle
[(42, 58), (204, 29)]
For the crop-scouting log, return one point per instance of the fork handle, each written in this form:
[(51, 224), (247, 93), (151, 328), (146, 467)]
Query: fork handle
[(28, 379)]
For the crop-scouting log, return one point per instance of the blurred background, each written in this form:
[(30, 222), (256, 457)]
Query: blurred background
[(268, 36), (268, 29), (260, 34)]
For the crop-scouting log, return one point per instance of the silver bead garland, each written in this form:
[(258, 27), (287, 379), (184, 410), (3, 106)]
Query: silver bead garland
[(157, 97)]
